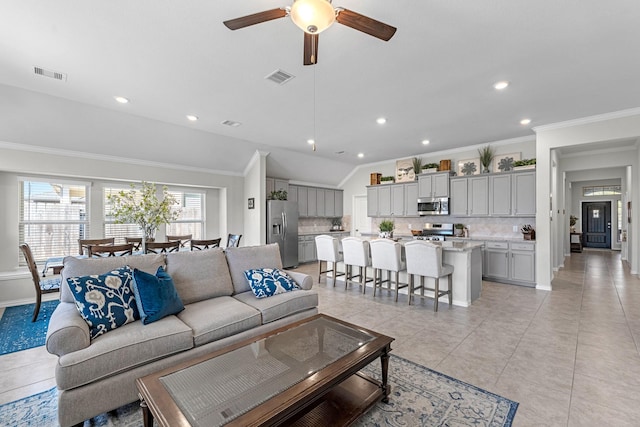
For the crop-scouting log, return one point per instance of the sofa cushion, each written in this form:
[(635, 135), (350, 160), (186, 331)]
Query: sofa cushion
[(131, 345), (267, 282), (74, 267), (217, 318), (199, 275), (156, 295), (281, 305), (105, 301), (245, 258)]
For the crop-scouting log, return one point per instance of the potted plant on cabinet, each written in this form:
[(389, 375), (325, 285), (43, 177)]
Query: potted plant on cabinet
[(386, 229), (387, 180), (142, 207), (486, 156), (528, 232), (430, 167), (524, 164), (572, 223), (459, 230), (417, 166)]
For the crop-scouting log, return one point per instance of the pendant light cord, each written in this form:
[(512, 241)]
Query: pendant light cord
[(314, 109)]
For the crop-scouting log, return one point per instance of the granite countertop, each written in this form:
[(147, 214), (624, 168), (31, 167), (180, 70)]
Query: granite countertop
[(490, 239), (318, 233), (450, 246)]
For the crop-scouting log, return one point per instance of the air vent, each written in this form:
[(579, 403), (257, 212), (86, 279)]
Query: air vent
[(51, 74), (280, 77), (231, 123), (340, 152)]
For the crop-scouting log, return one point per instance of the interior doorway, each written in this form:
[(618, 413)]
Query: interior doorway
[(361, 222), (596, 224)]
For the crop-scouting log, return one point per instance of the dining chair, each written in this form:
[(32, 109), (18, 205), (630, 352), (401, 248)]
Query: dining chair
[(233, 240), (424, 259), (386, 255), (198, 245), (183, 239), (356, 253), (42, 287), (137, 242), (110, 250), (328, 252), (83, 244), (162, 247)]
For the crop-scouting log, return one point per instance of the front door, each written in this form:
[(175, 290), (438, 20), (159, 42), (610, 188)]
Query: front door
[(596, 224)]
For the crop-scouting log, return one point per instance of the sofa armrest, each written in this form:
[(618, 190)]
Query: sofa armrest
[(303, 280), (68, 332)]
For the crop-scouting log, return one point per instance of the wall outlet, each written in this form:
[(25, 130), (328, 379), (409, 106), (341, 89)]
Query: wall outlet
[(409, 226), (515, 228)]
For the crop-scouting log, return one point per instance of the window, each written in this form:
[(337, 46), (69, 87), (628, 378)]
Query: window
[(191, 219), (609, 190), (53, 216)]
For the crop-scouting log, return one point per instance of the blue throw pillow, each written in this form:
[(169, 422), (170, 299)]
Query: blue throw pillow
[(156, 296), (266, 282), (105, 301)]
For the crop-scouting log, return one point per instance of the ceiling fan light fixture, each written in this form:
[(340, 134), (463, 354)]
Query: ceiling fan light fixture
[(313, 16)]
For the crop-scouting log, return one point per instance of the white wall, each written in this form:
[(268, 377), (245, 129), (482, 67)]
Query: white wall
[(612, 127), (255, 187), (224, 198)]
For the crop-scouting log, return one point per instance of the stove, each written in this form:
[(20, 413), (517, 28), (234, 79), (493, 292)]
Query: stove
[(435, 232)]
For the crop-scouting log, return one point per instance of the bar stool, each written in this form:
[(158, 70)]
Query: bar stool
[(356, 253), (424, 259), (328, 252), (386, 255)]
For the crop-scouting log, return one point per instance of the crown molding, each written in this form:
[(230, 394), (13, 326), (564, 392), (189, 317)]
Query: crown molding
[(256, 157), (587, 120), (109, 158)]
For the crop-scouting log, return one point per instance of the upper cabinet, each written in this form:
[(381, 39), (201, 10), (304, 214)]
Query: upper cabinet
[(411, 199), (317, 202), (433, 185), (502, 195), (397, 200)]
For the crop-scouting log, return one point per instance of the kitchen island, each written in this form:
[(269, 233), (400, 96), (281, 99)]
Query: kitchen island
[(466, 259)]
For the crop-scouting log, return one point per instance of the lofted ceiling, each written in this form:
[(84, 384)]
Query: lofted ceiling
[(433, 80)]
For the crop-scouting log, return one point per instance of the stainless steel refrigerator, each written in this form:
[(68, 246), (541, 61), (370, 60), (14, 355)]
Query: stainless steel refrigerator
[(282, 228)]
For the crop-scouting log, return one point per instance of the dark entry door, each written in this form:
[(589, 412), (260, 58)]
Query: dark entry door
[(596, 224)]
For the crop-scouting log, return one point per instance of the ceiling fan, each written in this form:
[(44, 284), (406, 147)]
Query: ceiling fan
[(313, 17)]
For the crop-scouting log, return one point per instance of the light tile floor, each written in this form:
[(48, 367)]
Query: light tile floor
[(569, 357)]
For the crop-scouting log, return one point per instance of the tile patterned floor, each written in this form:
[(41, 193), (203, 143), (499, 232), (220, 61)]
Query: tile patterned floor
[(570, 357)]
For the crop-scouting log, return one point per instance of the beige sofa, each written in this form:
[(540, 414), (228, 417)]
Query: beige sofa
[(97, 376)]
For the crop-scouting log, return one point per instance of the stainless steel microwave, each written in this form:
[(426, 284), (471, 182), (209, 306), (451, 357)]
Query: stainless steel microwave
[(430, 206)]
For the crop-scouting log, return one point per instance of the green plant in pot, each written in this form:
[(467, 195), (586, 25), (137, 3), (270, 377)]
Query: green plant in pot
[(386, 228), (459, 230), (486, 156), (417, 166), (278, 195), (387, 179), (430, 166), (572, 223)]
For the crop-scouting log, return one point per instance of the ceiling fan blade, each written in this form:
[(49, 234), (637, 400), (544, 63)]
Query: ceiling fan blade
[(310, 49), (256, 18), (365, 24)]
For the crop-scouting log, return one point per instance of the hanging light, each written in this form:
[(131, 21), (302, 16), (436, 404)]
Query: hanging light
[(313, 16)]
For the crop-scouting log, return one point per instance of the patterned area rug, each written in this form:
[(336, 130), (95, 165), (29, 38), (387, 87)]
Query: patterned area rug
[(18, 332), (419, 397)]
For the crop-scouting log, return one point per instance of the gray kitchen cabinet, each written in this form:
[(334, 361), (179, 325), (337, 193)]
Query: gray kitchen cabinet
[(301, 257), (523, 197), (384, 200), (459, 201), (523, 262), (339, 203), (270, 186), (397, 200), (292, 194), (433, 185), (478, 196), (372, 202), (329, 204), (312, 202), (500, 195), (497, 260), (320, 206), (411, 199), (281, 185), (306, 248), (303, 201)]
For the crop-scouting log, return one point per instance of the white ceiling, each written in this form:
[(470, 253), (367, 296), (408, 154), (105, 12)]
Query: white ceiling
[(433, 80)]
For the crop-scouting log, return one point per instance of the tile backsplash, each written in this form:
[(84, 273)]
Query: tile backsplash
[(478, 227)]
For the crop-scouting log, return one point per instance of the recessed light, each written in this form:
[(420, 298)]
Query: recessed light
[(501, 85), (425, 142), (192, 118), (381, 120), (311, 141), (525, 121), (121, 99), (360, 155)]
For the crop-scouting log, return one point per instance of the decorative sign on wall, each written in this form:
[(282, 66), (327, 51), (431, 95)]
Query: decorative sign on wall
[(404, 171), (252, 203), (469, 167), (504, 162)]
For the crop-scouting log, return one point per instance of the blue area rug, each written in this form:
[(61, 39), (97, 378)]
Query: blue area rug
[(419, 397), (18, 332)]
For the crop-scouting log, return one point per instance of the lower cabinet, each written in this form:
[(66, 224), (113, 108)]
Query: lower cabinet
[(510, 262), (307, 246)]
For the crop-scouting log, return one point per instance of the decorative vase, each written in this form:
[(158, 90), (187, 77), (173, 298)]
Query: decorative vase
[(572, 229), (386, 235)]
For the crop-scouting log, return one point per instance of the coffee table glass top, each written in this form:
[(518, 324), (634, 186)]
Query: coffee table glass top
[(216, 391)]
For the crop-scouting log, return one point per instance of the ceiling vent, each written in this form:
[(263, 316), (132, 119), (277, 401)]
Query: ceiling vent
[(280, 77), (51, 74), (231, 123)]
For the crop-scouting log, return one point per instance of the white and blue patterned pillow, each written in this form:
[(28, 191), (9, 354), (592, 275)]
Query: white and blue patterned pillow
[(105, 301), (266, 282)]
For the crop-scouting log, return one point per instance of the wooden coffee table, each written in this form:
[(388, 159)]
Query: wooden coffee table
[(303, 374)]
